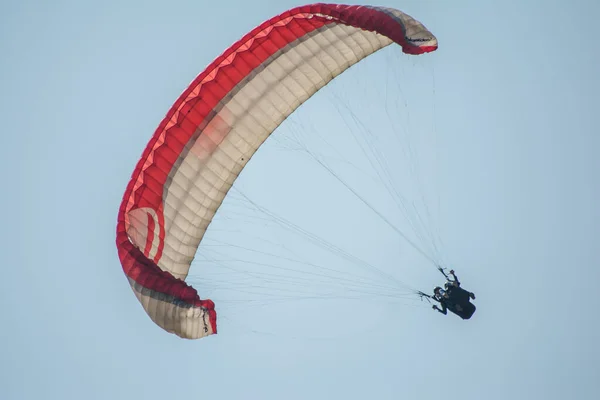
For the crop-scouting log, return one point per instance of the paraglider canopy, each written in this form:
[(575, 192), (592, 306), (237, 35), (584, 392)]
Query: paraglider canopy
[(214, 128)]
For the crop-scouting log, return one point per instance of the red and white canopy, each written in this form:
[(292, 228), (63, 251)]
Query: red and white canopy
[(215, 127)]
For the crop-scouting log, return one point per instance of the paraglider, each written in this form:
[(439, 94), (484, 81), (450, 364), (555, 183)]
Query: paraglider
[(216, 126), (454, 298)]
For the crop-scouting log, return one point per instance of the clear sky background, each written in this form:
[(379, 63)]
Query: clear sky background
[(501, 123)]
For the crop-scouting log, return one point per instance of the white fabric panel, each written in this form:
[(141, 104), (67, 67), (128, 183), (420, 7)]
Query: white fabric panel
[(187, 322), (415, 32)]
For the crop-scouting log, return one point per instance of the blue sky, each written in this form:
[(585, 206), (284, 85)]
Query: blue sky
[(501, 124)]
